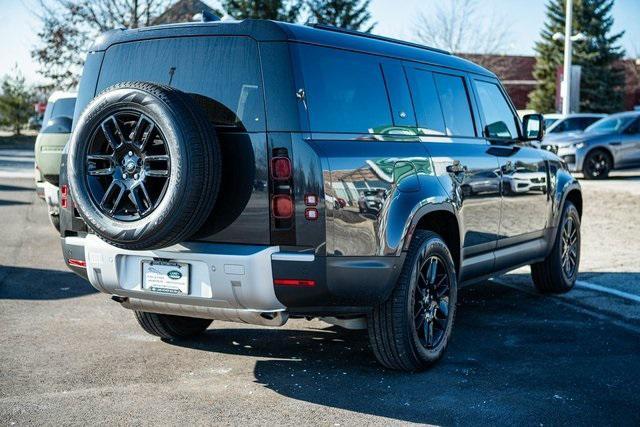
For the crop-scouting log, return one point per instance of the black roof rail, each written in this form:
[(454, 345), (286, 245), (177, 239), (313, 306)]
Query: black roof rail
[(376, 37)]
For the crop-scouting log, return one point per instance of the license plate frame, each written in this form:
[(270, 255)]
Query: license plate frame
[(165, 277)]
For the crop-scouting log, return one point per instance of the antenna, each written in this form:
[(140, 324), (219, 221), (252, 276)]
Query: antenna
[(206, 16)]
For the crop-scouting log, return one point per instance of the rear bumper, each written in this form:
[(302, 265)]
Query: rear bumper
[(231, 281)]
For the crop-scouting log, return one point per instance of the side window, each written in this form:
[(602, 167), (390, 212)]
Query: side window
[(498, 117), (221, 73), (634, 128), (426, 102), (587, 121), (561, 127), (573, 124), (345, 91), (454, 101)]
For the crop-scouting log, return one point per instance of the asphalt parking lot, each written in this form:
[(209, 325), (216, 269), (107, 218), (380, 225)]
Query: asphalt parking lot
[(69, 355)]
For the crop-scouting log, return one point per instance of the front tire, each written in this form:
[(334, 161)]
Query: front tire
[(410, 331), (171, 327), (559, 271), (597, 165)]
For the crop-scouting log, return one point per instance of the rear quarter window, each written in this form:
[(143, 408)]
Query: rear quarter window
[(223, 74), (345, 91)]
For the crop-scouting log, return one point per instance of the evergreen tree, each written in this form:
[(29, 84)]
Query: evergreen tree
[(16, 101), (602, 81), (347, 14), (279, 10)]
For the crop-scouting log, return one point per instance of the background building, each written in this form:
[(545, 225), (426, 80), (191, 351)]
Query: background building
[(516, 73)]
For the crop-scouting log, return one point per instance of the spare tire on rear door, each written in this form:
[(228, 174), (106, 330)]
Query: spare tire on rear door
[(143, 166)]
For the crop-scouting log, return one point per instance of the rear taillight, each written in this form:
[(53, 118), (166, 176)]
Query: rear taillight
[(64, 196), (77, 263), (282, 206), (282, 203), (281, 168)]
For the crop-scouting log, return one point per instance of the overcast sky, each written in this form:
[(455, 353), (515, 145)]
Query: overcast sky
[(395, 18)]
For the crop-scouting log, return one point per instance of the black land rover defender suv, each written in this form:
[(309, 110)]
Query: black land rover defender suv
[(255, 171)]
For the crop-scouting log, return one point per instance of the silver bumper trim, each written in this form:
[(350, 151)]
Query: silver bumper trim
[(224, 279)]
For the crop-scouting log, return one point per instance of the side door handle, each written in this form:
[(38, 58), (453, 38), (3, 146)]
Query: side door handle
[(456, 168)]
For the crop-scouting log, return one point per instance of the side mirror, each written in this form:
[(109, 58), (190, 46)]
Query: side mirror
[(533, 127)]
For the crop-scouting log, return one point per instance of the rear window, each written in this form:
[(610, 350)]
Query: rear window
[(222, 72), (454, 100), (345, 91), (426, 102), (63, 108)]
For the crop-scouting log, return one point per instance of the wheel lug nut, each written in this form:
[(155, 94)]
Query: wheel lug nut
[(124, 176), (135, 176), (131, 153)]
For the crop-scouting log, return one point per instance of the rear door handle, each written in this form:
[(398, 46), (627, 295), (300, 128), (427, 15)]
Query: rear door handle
[(456, 168)]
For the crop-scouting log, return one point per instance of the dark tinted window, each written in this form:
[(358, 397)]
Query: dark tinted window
[(634, 128), (498, 118), (63, 108), (426, 102), (345, 91), (223, 71), (455, 105), (584, 122)]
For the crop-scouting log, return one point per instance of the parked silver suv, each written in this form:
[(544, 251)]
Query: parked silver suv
[(610, 143)]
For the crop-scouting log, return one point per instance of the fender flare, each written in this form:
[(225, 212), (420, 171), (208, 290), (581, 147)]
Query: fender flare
[(426, 209), (566, 189)]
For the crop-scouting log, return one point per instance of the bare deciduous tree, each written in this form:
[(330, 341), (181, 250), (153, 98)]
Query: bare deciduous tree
[(69, 27), (460, 26)]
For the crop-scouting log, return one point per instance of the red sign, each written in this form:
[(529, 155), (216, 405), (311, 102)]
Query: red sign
[(40, 107)]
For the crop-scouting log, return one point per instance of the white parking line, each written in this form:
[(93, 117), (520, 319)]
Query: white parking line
[(566, 300), (17, 175), (610, 291), (20, 159)]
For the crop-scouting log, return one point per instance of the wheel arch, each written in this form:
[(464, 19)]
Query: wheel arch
[(440, 219), (574, 196)]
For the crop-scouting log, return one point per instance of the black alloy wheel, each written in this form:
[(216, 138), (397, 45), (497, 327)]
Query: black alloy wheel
[(569, 247), (410, 331), (558, 272), (128, 166), (144, 166), (431, 301), (597, 165)]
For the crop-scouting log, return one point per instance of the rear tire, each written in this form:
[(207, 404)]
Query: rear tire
[(171, 327), (144, 166), (558, 272), (55, 221), (410, 331)]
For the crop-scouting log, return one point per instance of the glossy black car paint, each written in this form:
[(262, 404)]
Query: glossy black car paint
[(376, 184)]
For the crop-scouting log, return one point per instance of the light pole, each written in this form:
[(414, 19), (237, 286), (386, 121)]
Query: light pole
[(568, 54)]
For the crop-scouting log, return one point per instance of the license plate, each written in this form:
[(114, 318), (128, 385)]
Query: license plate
[(165, 277)]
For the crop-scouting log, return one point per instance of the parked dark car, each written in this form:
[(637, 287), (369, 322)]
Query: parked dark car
[(608, 144), (176, 124)]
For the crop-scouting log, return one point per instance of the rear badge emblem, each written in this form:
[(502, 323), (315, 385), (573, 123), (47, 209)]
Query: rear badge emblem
[(174, 274)]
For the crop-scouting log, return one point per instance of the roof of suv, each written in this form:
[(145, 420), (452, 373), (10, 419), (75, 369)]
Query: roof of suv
[(263, 30)]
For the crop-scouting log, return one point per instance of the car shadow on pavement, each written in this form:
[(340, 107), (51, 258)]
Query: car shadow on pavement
[(39, 284), (515, 357), (12, 202), (6, 187)]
